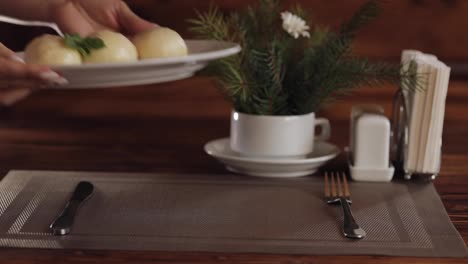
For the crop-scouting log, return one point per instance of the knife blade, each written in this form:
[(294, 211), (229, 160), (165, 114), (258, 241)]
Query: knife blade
[(63, 223)]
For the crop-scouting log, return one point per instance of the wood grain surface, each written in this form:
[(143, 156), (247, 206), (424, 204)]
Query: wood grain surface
[(434, 26), (162, 128)]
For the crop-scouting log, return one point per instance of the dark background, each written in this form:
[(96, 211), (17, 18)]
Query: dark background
[(434, 26)]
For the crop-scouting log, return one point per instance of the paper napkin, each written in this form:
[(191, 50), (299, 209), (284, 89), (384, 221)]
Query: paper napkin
[(426, 108)]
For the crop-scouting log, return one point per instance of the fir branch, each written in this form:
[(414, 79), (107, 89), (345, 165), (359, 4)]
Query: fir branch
[(321, 65), (210, 25), (319, 36), (232, 78), (353, 73), (267, 71), (277, 75), (366, 13), (339, 45), (410, 79), (214, 25), (268, 15), (261, 23)]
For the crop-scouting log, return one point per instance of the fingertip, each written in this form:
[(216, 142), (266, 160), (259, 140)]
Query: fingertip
[(35, 70), (45, 75), (11, 97), (131, 22), (16, 58), (142, 26), (53, 78)]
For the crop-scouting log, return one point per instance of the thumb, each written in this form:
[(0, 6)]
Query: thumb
[(131, 22)]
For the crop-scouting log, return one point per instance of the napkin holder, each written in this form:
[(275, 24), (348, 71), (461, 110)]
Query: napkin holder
[(400, 139)]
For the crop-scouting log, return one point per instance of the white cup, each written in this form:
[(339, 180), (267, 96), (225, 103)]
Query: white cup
[(276, 136)]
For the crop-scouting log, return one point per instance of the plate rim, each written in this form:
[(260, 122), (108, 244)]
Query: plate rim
[(230, 49), (167, 78), (271, 161)]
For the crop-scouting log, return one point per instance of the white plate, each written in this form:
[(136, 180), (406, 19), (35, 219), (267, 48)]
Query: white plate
[(263, 167), (147, 71)]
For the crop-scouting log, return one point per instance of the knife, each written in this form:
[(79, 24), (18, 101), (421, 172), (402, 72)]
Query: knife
[(62, 225)]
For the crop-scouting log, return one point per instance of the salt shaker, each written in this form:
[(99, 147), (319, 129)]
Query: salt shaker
[(370, 144)]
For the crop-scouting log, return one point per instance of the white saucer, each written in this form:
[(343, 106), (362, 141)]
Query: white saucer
[(270, 167)]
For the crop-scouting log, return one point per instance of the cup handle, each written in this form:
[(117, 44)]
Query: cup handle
[(326, 129)]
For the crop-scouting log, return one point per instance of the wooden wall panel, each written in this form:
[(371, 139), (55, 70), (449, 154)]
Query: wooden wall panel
[(435, 26)]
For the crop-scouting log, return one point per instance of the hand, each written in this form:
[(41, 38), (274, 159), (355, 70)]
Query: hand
[(85, 17), (18, 80)]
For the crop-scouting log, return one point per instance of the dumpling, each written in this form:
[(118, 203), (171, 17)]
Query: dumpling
[(160, 42), (51, 50), (118, 49)]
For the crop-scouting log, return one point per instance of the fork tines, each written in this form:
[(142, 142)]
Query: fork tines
[(336, 185)]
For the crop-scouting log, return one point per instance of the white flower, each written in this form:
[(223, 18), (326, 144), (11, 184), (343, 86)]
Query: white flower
[(295, 25)]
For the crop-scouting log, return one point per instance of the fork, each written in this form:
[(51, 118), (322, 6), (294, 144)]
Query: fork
[(337, 192), (16, 21)]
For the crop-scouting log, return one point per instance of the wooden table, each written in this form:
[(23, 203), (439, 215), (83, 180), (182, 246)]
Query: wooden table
[(162, 128)]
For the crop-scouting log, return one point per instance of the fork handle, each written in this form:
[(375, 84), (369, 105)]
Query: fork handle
[(21, 22), (350, 228)]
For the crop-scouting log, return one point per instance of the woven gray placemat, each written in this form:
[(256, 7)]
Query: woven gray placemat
[(224, 213)]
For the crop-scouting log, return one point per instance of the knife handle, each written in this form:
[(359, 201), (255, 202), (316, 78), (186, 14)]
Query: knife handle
[(62, 225)]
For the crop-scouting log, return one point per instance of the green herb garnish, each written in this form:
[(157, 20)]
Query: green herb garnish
[(83, 45)]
